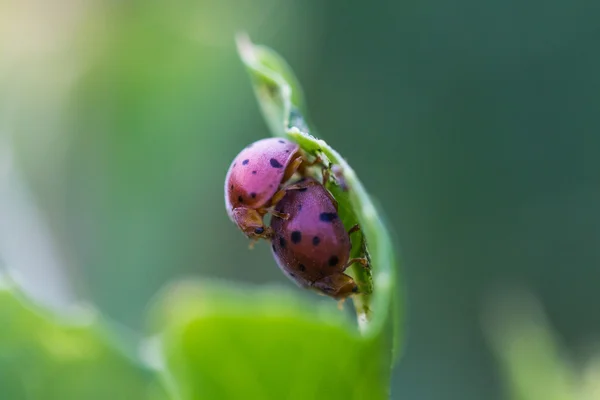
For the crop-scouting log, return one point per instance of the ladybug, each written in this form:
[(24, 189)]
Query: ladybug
[(253, 184), (312, 246)]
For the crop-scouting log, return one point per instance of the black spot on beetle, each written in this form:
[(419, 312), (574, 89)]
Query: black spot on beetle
[(274, 163), (302, 267), (245, 162), (240, 199), (292, 275), (287, 151), (316, 241), (296, 237), (333, 261), (299, 207), (303, 190), (355, 289), (253, 172), (273, 247), (231, 187), (328, 289), (281, 141), (282, 242), (327, 217), (253, 195), (259, 231)]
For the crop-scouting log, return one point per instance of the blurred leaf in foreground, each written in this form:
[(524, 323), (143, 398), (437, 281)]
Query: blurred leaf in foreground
[(227, 342), (44, 357), (230, 342)]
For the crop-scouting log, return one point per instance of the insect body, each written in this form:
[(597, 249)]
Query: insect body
[(312, 246), (254, 180)]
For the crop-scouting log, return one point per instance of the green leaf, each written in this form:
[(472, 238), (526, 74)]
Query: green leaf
[(234, 342), (280, 99), (221, 341), (275, 85), (46, 357)]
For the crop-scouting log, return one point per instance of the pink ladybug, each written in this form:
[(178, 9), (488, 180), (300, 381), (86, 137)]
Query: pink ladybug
[(254, 182), (312, 246)]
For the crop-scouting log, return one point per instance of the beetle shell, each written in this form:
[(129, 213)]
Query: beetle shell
[(312, 246), (257, 172)]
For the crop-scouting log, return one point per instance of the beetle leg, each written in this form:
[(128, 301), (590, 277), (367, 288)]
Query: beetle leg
[(295, 186), (325, 175), (299, 185), (278, 196), (361, 260), (279, 214), (274, 200), (292, 168), (355, 228), (333, 200)]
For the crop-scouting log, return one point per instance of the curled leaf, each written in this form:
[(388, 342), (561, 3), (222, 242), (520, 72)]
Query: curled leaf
[(281, 102)]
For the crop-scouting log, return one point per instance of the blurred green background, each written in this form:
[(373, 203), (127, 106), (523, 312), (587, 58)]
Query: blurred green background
[(474, 124)]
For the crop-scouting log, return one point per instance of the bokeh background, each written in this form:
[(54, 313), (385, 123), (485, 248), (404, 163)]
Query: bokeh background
[(474, 124)]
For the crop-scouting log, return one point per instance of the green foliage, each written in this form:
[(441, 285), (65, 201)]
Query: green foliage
[(45, 357), (231, 342), (227, 342), (220, 340), (280, 97)]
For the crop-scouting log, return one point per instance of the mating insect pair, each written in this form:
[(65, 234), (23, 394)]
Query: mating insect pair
[(308, 239)]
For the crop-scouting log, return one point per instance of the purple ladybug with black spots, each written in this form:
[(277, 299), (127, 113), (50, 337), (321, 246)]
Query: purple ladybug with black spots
[(312, 246), (254, 182)]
